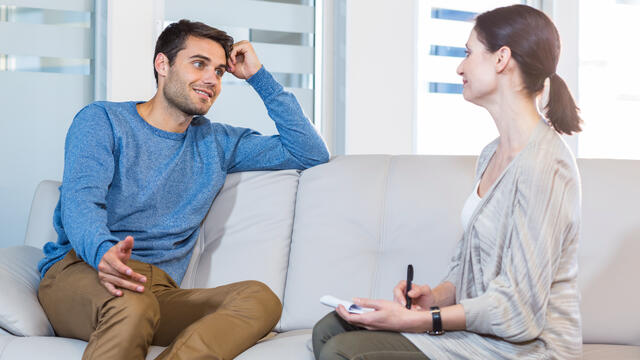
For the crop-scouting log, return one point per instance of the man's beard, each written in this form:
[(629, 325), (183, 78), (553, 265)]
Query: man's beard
[(176, 96)]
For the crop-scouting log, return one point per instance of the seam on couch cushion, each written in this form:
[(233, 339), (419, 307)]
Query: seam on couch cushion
[(4, 347), (375, 277), (280, 323)]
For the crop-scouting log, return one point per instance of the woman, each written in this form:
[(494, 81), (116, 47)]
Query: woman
[(511, 289)]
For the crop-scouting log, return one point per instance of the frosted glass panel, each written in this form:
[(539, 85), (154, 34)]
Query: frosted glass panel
[(252, 113), (67, 5), (286, 58), (263, 15), (45, 64), (282, 33), (46, 52), (45, 40)]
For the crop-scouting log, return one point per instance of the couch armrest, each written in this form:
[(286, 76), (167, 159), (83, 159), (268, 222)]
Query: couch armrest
[(20, 310)]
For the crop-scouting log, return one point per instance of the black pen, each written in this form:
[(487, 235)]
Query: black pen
[(409, 280)]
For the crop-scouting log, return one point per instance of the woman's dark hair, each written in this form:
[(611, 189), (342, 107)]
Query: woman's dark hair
[(535, 46), (173, 37)]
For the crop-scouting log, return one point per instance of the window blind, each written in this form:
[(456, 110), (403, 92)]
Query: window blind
[(445, 123)]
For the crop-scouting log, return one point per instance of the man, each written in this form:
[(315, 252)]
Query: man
[(138, 180)]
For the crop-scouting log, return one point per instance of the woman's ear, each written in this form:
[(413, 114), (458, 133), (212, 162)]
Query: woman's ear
[(503, 58)]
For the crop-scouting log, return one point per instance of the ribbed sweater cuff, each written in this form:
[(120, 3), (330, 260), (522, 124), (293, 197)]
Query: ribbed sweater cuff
[(102, 249)]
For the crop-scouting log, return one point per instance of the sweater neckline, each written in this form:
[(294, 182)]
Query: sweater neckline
[(494, 146), (485, 163), (157, 132)]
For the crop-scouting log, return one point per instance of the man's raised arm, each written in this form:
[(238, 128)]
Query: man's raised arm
[(298, 144)]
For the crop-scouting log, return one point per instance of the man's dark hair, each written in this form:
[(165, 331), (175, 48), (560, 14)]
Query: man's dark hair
[(172, 39)]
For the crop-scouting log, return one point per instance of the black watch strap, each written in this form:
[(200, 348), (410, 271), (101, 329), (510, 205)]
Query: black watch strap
[(436, 321)]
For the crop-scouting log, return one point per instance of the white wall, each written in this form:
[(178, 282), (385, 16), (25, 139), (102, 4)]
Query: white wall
[(327, 111), (381, 76), (565, 16), (130, 46)]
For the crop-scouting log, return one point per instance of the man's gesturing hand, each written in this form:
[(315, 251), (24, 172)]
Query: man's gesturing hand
[(114, 273), (243, 61)]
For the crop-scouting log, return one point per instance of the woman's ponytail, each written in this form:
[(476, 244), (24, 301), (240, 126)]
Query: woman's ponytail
[(535, 46), (562, 110)]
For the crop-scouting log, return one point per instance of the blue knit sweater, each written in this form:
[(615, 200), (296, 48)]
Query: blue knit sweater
[(124, 177)]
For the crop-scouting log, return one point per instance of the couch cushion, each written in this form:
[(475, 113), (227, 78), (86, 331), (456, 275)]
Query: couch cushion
[(247, 233), (610, 352), (20, 310), (361, 219), (49, 348), (609, 249), (40, 228), (291, 345)]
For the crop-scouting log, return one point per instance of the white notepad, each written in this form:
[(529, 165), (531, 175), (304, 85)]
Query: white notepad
[(350, 306)]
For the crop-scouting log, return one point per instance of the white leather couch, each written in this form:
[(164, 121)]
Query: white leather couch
[(349, 228)]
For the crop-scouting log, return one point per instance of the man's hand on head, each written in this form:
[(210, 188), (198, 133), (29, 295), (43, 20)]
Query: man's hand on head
[(113, 272), (243, 61)]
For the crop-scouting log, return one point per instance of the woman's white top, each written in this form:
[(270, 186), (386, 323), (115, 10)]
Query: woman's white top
[(470, 206)]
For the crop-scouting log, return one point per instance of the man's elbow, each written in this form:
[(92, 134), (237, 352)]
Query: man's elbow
[(324, 156), (317, 157)]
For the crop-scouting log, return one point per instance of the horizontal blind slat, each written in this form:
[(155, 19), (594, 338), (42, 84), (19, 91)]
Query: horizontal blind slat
[(263, 15), (471, 5), (46, 40), (286, 58), (68, 5)]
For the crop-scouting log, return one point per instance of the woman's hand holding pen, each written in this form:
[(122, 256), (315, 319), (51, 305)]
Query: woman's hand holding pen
[(421, 295), (389, 315)]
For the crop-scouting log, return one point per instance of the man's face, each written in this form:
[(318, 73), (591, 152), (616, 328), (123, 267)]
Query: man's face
[(193, 82)]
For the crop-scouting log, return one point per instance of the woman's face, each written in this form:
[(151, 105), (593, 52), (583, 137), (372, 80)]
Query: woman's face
[(478, 71)]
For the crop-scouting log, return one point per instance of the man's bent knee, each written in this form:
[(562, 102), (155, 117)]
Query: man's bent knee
[(265, 302), (133, 312)]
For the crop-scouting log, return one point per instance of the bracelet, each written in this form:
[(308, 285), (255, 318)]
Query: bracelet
[(436, 322)]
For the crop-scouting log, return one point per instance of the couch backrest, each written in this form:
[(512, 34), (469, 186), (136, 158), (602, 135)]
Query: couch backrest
[(361, 219), (247, 233), (40, 225), (609, 256)]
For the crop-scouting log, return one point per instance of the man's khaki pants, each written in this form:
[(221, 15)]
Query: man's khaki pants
[(216, 323)]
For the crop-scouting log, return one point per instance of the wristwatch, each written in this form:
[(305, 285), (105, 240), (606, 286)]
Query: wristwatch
[(436, 322)]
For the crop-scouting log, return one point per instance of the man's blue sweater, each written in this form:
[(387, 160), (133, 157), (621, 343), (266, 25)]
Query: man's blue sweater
[(124, 177)]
